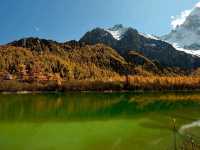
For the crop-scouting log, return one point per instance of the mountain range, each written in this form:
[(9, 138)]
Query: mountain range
[(106, 52)]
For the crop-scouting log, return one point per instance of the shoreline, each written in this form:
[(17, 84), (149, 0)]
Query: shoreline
[(96, 91), (135, 84)]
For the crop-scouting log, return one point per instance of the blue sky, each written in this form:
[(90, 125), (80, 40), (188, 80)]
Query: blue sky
[(64, 20)]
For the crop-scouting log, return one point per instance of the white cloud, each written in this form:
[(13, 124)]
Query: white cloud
[(180, 19), (198, 4)]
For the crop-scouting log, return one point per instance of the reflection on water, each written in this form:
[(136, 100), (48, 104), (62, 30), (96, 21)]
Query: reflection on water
[(91, 106), (88, 121)]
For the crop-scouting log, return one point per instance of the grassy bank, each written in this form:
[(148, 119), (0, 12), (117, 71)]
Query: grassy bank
[(156, 83), (164, 83)]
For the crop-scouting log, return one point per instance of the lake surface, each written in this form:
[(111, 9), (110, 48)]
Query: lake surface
[(95, 121)]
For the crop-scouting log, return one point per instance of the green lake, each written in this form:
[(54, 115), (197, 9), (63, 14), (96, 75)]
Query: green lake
[(95, 121)]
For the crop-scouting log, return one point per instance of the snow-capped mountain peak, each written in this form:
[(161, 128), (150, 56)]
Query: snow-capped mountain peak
[(117, 31)]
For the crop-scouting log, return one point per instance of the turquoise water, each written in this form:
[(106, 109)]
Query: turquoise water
[(94, 121)]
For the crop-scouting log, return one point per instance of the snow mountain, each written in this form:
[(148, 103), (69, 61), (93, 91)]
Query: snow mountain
[(186, 36), (126, 39)]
